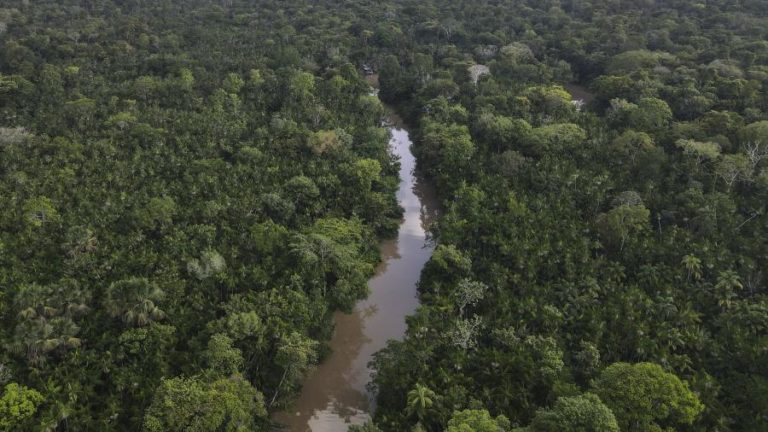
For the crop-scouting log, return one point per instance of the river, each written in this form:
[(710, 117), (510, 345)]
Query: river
[(334, 395)]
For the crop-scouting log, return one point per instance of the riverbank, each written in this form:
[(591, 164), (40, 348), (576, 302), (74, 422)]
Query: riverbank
[(334, 395)]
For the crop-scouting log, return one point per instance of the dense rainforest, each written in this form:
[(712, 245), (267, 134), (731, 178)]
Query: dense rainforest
[(191, 188), (185, 201)]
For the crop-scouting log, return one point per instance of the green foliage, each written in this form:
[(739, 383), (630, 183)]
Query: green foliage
[(449, 148), (194, 404), (223, 357), (556, 138), (17, 405), (160, 179), (295, 353), (158, 212), (583, 413), (617, 225), (632, 144), (631, 61), (420, 401), (501, 133), (755, 132), (209, 264), (39, 212), (644, 397), (651, 115), (324, 141), (134, 301), (623, 229), (47, 319), (733, 168), (194, 187), (699, 151), (477, 421)]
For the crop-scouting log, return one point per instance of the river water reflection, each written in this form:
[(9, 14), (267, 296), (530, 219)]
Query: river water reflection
[(334, 395)]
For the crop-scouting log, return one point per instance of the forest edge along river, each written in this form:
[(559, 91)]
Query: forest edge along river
[(334, 395)]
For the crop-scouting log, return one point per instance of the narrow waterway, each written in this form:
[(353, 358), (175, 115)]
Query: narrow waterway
[(334, 395)]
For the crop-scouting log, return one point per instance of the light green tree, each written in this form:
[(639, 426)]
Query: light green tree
[(210, 263), (692, 266), (17, 405), (420, 401), (734, 168), (632, 144), (196, 405), (728, 282), (645, 398), (477, 421), (699, 151), (469, 293), (222, 357), (583, 413), (295, 353), (651, 115), (39, 211)]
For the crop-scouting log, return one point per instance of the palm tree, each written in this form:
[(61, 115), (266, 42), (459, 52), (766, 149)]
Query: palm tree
[(46, 316), (727, 283), (47, 301), (420, 400), (39, 336), (134, 301), (693, 266)]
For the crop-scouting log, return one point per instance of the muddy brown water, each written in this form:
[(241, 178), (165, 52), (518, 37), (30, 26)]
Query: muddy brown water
[(334, 395)]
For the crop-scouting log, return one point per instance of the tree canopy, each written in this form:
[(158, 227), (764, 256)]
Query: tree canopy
[(192, 188)]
